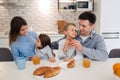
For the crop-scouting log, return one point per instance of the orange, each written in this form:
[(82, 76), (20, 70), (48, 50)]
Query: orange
[(115, 66), (86, 63), (117, 72)]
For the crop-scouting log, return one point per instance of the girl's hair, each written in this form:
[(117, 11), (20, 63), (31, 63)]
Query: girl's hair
[(16, 23), (66, 26), (45, 40)]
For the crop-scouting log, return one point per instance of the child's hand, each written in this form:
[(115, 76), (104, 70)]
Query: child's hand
[(68, 59), (52, 60)]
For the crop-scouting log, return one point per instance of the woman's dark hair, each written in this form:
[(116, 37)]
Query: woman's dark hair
[(16, 23), (45, 40), (88, 16)]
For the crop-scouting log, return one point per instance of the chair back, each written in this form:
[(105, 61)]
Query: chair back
[(5, 54), (114, 53)]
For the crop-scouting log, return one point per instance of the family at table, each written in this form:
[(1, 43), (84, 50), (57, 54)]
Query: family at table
[(75, 45)]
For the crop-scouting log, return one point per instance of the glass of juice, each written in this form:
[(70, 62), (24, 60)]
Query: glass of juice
[(86, 62), (36, 60)]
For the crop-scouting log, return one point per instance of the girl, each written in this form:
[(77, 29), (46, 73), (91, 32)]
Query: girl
[(44, 50)]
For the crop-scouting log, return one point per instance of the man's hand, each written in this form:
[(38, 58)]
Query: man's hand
[(77, 44)]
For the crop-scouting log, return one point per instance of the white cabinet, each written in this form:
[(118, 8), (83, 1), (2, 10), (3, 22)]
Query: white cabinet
[(109, 18)]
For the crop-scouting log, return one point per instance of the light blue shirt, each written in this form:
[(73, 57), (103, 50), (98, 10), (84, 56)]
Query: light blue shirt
[(44, 53), (24, 46)]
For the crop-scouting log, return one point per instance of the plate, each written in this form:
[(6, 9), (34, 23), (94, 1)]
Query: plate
[(42, 78), (63, 65)]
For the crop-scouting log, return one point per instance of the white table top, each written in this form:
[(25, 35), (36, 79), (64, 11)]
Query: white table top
[(99, 70)]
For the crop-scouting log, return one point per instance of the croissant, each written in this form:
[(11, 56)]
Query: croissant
[(52, 72), (46, 71), (71, 64), (41, 70)]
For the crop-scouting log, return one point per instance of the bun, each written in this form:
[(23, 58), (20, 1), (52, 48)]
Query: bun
[(71, 64), (46, 71)]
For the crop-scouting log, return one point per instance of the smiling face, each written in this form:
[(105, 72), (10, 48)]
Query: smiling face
[(71, 31), (23, 30), (85, 27)]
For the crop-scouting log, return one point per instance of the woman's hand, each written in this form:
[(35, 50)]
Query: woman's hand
[(30, 58)]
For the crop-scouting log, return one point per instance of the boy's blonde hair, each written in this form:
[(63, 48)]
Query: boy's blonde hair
[(66, 26)]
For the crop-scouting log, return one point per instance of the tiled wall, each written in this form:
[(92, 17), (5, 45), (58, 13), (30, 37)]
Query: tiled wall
[(39, 18)]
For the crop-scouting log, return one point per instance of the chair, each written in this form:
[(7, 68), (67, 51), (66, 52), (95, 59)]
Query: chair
[(5, 54), (114, 53)]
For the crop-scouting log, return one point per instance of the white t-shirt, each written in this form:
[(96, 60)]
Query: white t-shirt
[(84, 38)]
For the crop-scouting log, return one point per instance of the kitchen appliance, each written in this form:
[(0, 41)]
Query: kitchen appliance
[(85, 5)]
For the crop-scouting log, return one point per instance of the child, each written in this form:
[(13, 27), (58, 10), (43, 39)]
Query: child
[(66, 52), (44, 50)]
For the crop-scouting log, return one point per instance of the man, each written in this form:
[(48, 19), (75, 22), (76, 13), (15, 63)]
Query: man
[(89, 43)]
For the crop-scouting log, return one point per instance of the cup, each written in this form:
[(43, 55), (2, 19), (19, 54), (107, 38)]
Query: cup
[(20, 62), (86, 62), (36, 60)]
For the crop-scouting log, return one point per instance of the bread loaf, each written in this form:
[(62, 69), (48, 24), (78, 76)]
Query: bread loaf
[(71, 64)]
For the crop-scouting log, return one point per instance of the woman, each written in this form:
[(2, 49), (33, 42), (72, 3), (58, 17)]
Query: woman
[(21, 41)]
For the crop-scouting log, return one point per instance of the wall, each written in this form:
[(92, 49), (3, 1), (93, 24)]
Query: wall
[(39, 18)]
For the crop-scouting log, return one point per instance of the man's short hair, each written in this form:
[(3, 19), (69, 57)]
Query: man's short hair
[(88, 16)]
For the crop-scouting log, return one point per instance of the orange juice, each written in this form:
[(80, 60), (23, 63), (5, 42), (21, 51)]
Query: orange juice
[(36, 60), (86, 63)]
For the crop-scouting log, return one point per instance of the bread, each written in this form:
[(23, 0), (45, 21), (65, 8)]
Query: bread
[(52, 72), (46, 71), (71, 64), (40, 70)]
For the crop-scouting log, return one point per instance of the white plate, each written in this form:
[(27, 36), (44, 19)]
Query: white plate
[(42, 78), (63, 65)]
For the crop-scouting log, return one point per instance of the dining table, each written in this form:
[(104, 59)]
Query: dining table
[(98, 70)]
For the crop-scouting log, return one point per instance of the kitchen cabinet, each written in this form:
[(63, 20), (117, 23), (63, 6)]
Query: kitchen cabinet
[(66, 5), (109, 17)]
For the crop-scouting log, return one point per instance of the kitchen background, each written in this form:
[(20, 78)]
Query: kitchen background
[(42, 17)]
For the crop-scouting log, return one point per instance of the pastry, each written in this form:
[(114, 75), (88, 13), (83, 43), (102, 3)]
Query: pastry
[(40, 70), (46, 71), (71, 64), (52, 72)]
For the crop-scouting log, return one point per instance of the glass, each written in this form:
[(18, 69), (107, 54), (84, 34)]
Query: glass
[(36, 60), (20, 62), (86, 62)]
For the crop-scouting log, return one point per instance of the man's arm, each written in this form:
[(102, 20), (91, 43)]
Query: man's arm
[(99, 52), (54, 44)]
